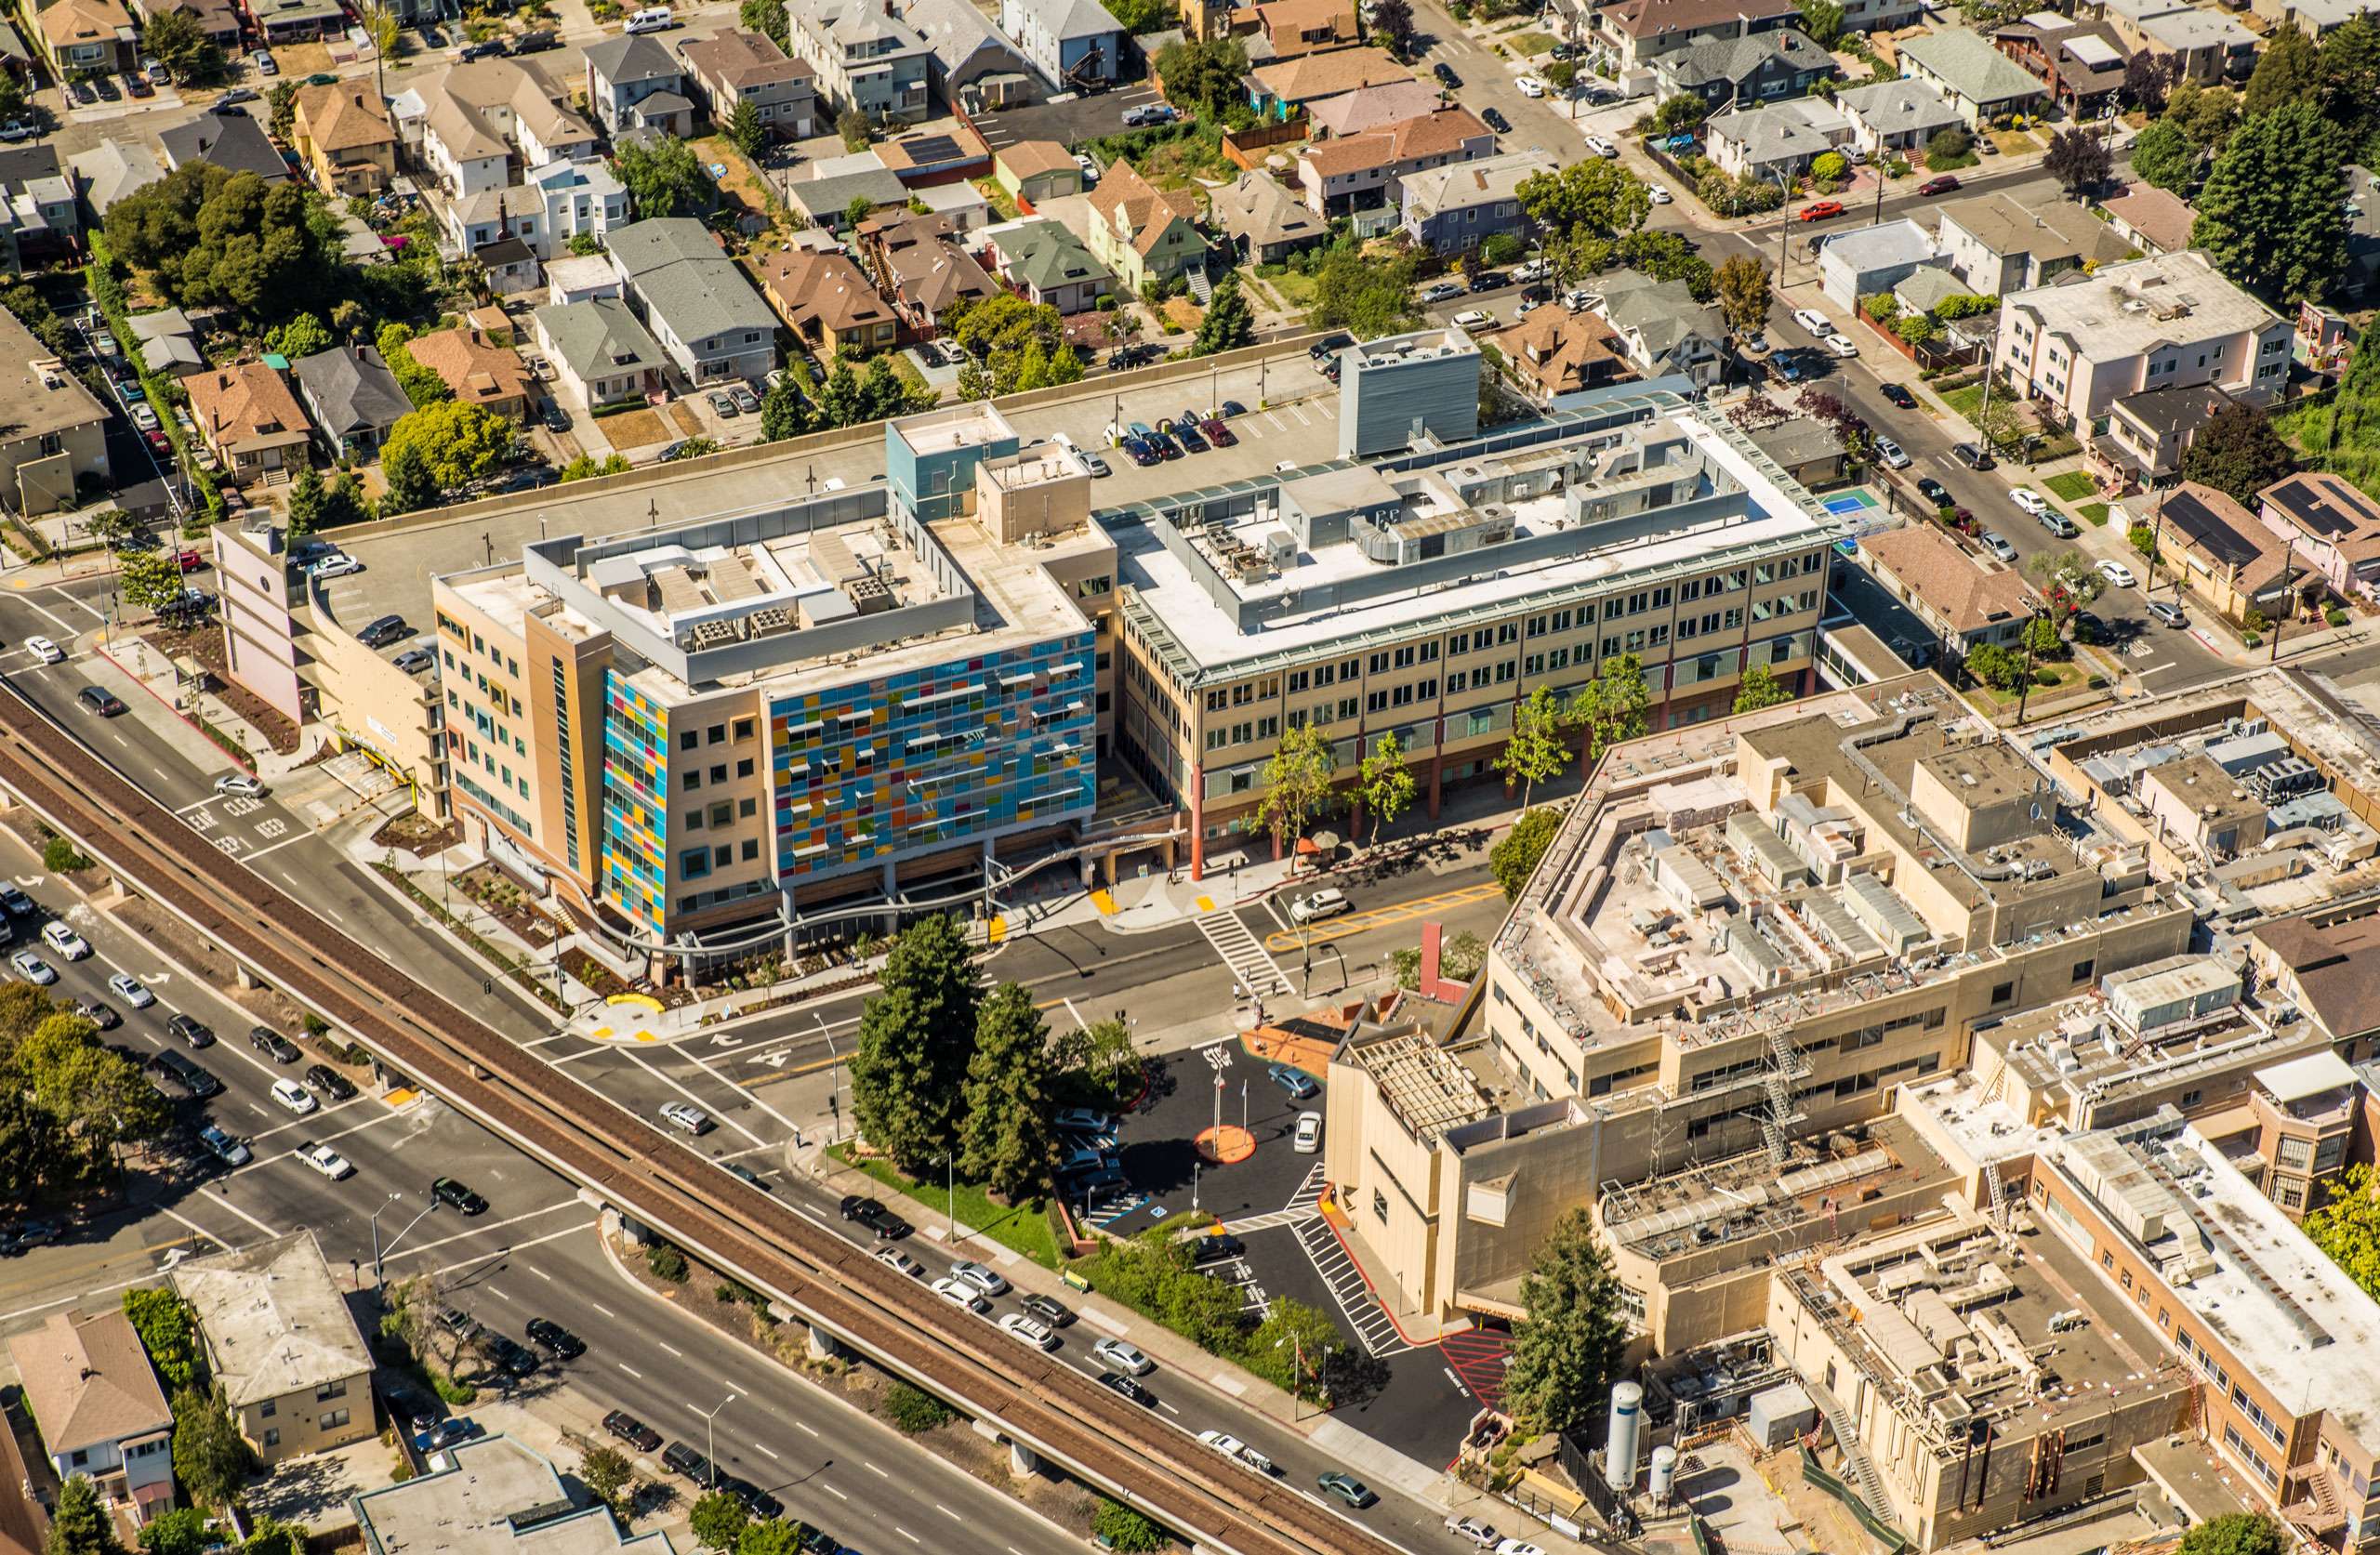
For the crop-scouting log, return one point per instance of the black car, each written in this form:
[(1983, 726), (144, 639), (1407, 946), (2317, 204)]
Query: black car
[(1329, 345), (492, 48), (17, 903), (555, 1340), (1971, 455), (100, 700), (633, 1432), (556, 419), (333, 1085), (1487, 281), (1139, 453), (99, 1013), (174, 1077), (886, 1226), (1125, 1387), (2089, 629), (273, 1045), (505, 1355), (1048, 1308), (1230, 408), (1496, 121), (1934, 490), (80, 92), (1899, 396), (446, 1190), (107, 88), (1217, 1249), (682, 1459), (192, 1031), (1446, 77), (763, 1507), (536, 40), (384, 631), (1167, 449), (1187, 435)]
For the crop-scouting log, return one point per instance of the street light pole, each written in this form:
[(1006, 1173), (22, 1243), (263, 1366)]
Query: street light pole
[(710, 1437), (378, 1251), (834, 1077)]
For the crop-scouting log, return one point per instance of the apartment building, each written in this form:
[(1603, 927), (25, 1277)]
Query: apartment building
[(723, 717), (864, 58), (280, 1342), (2165, 321), (1426, 599), (55, 437), (466, 123)]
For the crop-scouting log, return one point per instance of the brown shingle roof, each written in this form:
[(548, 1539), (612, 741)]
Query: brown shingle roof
[(1323, 75), (247, 404), (1645, 18), (343, 115), (2336, 966), (1441, 132), (1028, 157), (741, 59), (2159, 214), (826, 287), (478, 370), (88, 1380), (79, 22), (1930, 565), (1564, 351), (1147, 209)]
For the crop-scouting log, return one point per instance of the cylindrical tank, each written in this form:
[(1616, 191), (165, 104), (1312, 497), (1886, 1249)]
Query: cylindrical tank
[(1663, 1475), (1620, 1444)]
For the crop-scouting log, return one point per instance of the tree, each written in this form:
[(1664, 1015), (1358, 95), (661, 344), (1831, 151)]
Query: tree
[(744, 131), (1822, 20), (718, 1520), (2236, 1533), (383, 29), (768, 17), (423, 387), (179, 44), (607, 1473), (2163, 155), (584, 468), (915, 1038), (2206, 115), (2236, 452), (454, 443), (783, 412), (1668, 256), (2348, 77), (2286, 73), (1391, 26), (2272, 214), (282, 105), (167, 1334), (210, 1457), (2148, 80), (1229, 322), (1368, 298), (1535, 753), (1830, 166), (1999, 422), (2041, 638), (853, 126), (859, 210), (662, 176), (1758, 689), (181, 1531), (218, 238), (1114, 1525), (2078, 159), (1203, 75), (1743, 292), (1007, 1141), (79, 1524), (1612, 708), (1562, 1357), (1146, 15), (151, 581), (273, 1536), (1681, 115), (1918, 329), (1385, 782), (1950, 144), (1596, 194), (304, 334), (1297, 782), (781, 1536)]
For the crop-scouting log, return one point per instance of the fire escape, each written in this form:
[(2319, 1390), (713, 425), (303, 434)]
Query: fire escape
[(1787, 1065)]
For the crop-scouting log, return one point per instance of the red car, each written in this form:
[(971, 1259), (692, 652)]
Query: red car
[(189, 561), (1942, 185), (1819, 210), (1219, 434)]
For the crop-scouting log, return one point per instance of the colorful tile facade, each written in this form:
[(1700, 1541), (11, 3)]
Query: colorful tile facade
[(636, 802)]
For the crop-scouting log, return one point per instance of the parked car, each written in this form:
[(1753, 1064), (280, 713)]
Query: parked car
[(1841, 345), (1296, 1082), (894, 1258), (959, 1294), (338, 566), (1048, 1308), (872, 1214), (1123, 1357), (1441, 291), (2030, 500), (1308, 1138), (1971, 455), (555, 1340), (1233, 1448), (745, 401), (1942, 183), (1934, 490), (1494, 120), (1531, 85), (979, 1276), (1125, 1387), (1446, 77), (1891, 456), (627, 1428), (1016, 1325), (1997, 543), (536, 40), (1221, 1248), (1899, 396), (264, 62), (107, 88), (2168, 611), (1601, 147), (330, 1083), (721, 404), (1813, 322), (1346, 1488), (2059, 524), (383, 631)]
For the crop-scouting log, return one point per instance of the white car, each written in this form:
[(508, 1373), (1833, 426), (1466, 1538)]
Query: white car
[(1657, 195), (32, 968), (1474, 317), (1602, 147), (2032, 501), (895, 1259), (293, 1097), (131, 990), (1530, 86), (45, 651), (1123, 1357), (1534, 269), (239, 785), (1814, 321), (1841, 345), (1892, 454), (978, 1277), (1327, 903), (2116, 573), (1016, 1325), (686, 1117), (337, 566), (64, 941), (960, 1296), (325, 1160), (1519, 1547), (1307, 1141), (1231, 1446), (1481, 1536), (1090, 169)]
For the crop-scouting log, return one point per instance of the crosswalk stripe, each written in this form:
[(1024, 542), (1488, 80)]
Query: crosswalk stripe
[(1256, 970)]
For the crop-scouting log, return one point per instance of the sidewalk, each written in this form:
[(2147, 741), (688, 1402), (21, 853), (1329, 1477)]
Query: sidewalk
[(153, 672)]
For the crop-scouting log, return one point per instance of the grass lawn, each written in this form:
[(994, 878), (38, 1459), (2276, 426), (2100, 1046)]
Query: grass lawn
[(1526, 44), (2092, 513), (1022, 1228), (2072, 486), (1295, 291), (1966, 401), (1000, 199)]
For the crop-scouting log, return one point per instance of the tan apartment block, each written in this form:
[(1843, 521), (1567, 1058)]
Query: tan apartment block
[(281, 1341)]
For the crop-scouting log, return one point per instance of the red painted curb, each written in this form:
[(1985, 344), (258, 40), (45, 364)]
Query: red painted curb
[(1370, 1289)]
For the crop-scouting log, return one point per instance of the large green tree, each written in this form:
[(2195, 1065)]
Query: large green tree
[(767, 18), (2347, 78), (1203, 77), (780, 1536), (1007, 1140), (1385, 782), (80, 1523), (1297, 782), (1614, 707), (441, 449), (1368, 298), (664, 176), (2236, 1533), (1758, 689), (2206, 115), (1535, 752), (2287, 72), (1743, 288), (179, 44), (783, 412), (210, 1457), (2347, 1227), (85, 1100), (1514, 856), (2272, 214), (1565, 1353), (214, 238), (915, 1038), (2238, 453), (718, 1520), (744, 131), (149, 580), (1595, 194), (1229, 322), (181, 1531), (2163, 155)]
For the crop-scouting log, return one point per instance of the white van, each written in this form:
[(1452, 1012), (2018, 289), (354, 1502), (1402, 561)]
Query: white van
[(656, 18)]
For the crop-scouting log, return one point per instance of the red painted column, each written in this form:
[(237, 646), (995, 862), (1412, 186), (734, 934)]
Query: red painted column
[(1198, 825)]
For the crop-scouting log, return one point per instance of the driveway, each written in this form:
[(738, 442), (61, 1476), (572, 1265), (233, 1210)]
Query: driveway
[(1069, 124)]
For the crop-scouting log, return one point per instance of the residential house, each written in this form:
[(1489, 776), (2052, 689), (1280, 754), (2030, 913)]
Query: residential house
[(344, 138), (1807, 448), (1141, 232), (581, 278), (2081, 64), (1033, 171), (53, 432), (512, 268), (40, 215), (1449, 209), (864, 58), (2226, 557), (960, 203), (825, 299), (2147, 434), (1776, 139), (2331, 526), (219, 20), (634, 82), (1663, 330), (1869, 260), (1978, 80), (113, 169), (88, 1384), (972, 63), (1278, 91), (696, 300), (169, 342), (477, 221), (558, 201), (923, 269), (87, 36), (1284, 29), (2317, 18), (493, 1496), (2164, 321), (1264, 222), (2213, 50), (1370, 108), (280, 21), (251, 421), (465, 122), (1998, 244), (1359, 172), (1046, 263), (353, 397), (1900, 115), (600, 353), (1631, 34), (476, 369), (281, 1345), (2157, 220), (738, 66), (232, 141), (930, 159), (1964, 604), (1754, 68), (824, 197), (1554, 353), (1075, 44)]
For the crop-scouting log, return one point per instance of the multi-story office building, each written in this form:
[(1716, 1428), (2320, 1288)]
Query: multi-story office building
[(1424, 595), (726, 718)]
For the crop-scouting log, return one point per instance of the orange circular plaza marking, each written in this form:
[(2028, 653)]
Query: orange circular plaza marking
[(1225, 1145)]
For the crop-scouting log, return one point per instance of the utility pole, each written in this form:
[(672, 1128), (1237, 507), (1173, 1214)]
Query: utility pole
[(2027, 688)]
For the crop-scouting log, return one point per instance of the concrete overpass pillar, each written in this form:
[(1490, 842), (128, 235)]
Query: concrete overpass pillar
[(1022, 1463), (822, 1344), (247, 979)]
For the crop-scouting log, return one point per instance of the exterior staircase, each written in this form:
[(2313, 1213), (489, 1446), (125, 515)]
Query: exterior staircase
[(1202, 288), (1858, 1467)]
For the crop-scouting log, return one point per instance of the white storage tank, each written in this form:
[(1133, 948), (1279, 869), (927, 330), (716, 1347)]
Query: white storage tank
[(1663, 1477), (1619, 1444)]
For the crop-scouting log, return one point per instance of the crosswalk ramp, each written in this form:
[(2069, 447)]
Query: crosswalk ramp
[(1304, 1206), (1356, 1303), (1251, 967)]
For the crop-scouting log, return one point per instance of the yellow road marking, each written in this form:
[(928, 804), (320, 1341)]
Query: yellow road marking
[(1386, 917), (1104, 903), (996, 930), (398, 1098), (1206, 904)]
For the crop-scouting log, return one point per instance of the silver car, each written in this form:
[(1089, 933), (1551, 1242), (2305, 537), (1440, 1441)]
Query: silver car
[(687, 1117)]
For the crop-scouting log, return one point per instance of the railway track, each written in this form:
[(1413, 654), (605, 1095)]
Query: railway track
[(1037, 1401)]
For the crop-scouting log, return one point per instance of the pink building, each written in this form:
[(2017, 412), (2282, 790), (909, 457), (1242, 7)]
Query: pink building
[(2331, 525)]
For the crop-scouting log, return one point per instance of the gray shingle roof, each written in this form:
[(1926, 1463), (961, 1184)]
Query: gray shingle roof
[(638, 57), (1972, 67), (351, 389), (1734, 59), (1898, 106), (685, 281), (232, 141), (600, 338)]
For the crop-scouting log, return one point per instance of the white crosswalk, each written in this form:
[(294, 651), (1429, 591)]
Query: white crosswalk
[(1244, 954), (1302, 1208), (1346, 1282)]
